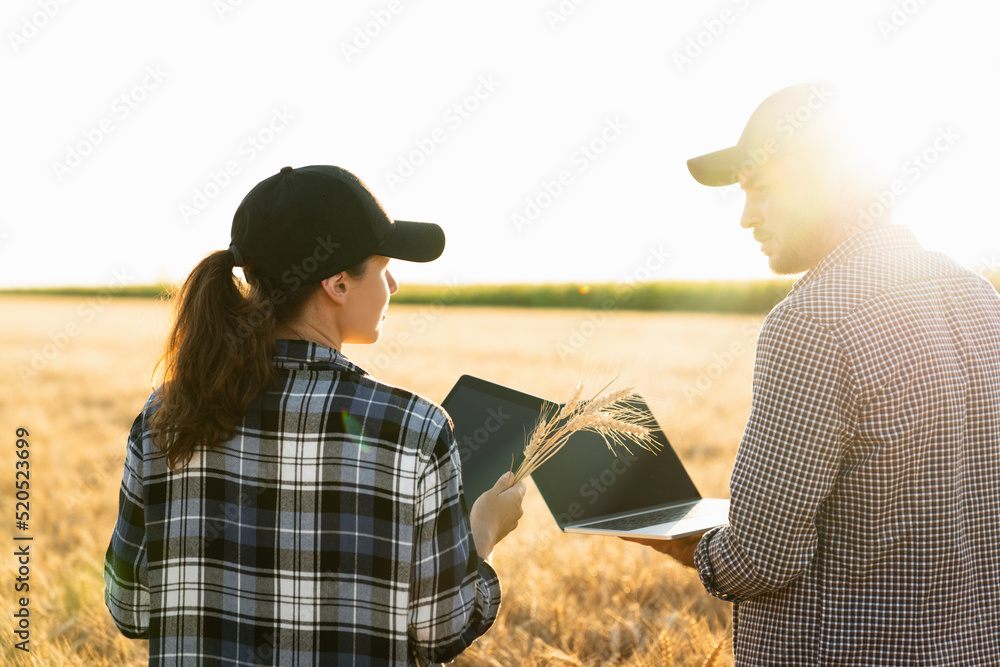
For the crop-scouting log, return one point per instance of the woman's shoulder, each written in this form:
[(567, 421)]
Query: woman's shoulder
[(400, 398), (149, 407)]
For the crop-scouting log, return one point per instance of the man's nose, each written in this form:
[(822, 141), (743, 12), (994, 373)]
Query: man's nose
[(751, 215)]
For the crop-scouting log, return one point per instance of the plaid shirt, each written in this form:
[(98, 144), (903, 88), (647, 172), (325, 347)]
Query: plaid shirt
[(865, 510), (330, 531)]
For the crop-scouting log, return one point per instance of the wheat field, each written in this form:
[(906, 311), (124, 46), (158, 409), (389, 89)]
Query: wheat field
[(75, 371)]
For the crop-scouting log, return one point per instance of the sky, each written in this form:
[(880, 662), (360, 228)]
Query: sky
[(548, 138)]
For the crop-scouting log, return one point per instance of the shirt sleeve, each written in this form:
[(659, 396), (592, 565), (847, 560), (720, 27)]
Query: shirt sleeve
[(126, 590), (801, 421), (455, 594)]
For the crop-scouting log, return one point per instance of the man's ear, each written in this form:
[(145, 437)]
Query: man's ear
[(336, 287)]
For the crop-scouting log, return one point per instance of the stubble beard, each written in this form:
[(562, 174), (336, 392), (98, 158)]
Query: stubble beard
[(802, 251)]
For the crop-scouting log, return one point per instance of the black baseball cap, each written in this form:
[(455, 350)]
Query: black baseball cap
[(303, 225), (793, 119)]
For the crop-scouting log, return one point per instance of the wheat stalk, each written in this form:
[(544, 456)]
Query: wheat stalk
[(573, 400), (716, 653), (608, 413), (666, 650)]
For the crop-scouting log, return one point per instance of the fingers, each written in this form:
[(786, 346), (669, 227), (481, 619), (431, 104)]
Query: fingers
[(663, 546), (509, 502), (681, 549), (641, 540), (516, 491), (501, 484), (505, 484), (502, 507), (496, 513)]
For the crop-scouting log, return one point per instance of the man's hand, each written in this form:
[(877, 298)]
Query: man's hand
[(681, 550)]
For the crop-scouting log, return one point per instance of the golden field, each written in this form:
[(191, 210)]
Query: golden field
[(76, 370)]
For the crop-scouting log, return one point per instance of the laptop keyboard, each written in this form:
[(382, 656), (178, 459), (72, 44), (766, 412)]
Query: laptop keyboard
[(650, 518)]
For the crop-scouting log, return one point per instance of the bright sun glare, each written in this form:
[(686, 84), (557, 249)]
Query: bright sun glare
[(586, 124)]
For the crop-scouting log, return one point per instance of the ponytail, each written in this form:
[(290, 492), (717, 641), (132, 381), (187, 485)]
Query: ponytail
[(217, 358)]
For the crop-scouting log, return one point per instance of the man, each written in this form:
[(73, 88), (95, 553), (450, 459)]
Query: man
[(865, 512)]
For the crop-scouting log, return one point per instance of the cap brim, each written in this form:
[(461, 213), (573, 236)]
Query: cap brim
[(413, 241), (718, 168)]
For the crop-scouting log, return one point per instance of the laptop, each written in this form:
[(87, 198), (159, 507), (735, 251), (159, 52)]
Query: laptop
[(587, 488)]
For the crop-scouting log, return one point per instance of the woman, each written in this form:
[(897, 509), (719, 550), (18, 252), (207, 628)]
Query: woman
[(279, 505)]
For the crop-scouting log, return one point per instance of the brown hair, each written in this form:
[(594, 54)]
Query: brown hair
[(217, 356)]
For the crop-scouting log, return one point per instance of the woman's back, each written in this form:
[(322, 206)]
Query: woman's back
[(278, 504), (325, 531)]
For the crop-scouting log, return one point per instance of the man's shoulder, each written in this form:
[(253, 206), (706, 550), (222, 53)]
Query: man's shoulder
[(893, 276)]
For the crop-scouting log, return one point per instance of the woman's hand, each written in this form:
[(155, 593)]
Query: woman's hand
[(496, 513)]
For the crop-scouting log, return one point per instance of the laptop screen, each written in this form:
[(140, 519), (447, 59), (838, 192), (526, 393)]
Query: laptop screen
[(492, 424), (584, 480)]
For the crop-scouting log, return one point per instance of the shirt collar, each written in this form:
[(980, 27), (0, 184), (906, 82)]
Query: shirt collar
[(877, 238), (306, 355)]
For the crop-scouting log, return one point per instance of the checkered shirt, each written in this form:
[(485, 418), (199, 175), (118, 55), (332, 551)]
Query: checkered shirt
[(865, 498), (330, 531)]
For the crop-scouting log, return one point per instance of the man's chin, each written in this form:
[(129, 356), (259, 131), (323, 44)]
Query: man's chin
[(783, 267)]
